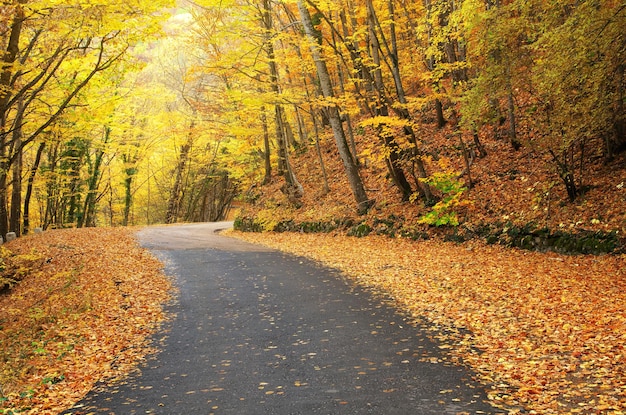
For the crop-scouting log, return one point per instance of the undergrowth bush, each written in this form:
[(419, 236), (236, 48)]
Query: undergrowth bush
[(445, 211)]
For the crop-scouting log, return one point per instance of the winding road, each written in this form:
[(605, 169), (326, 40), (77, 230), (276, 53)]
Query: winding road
[(256, 331)]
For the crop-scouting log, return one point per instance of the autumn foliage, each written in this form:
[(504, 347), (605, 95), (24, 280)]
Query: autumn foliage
[(460, 120), (81, 314), (169, 118)]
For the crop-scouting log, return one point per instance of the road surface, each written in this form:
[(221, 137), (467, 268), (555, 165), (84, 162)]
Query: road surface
[(257, 331)]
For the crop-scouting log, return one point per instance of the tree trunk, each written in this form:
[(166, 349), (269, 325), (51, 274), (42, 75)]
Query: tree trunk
[(393, 160), (441, 120), (342, 89), (481, 149), (615, 140), (128, 198), (467, 161), (77, 155), (511, 112), (316, 132), (52, 188), (326, 187), (566, 175), (173, 205), (88, 217), (8, 59), (283, 130), (266, 147), (430, 61), (4, 214), (279, 132), (303, 134), (356, 184), (290, 138), (392, 51), (29, 186), (15, 218), (130, 169)]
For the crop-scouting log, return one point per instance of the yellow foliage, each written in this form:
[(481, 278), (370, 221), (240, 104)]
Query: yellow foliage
[(269, 218)]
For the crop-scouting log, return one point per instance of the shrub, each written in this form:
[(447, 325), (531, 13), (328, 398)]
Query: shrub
[(444, 213)]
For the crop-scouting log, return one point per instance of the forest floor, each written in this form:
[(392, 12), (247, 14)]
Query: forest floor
[(510, 188), (80, 311)]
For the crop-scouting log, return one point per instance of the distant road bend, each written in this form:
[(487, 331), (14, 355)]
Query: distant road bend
[(256, 331)]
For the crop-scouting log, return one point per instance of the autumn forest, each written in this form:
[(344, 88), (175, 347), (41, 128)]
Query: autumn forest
[(476, 122), (149, 112)]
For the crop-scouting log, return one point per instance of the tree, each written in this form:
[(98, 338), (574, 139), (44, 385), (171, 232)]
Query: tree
[(51, 56), (358, 190), (88, 214), (569, 101), (580, 91), (294, 188)]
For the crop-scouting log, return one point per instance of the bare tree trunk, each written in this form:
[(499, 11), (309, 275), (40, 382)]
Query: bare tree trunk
[(29, 186), (266, 147), (173, 205), (352, 172)]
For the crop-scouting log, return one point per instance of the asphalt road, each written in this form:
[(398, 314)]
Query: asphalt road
[(260, 332)]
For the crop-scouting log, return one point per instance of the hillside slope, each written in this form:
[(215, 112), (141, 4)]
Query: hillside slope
[(510, 189)]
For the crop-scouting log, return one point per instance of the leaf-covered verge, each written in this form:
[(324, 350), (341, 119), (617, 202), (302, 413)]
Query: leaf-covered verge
[(86, 302), (544, 332)]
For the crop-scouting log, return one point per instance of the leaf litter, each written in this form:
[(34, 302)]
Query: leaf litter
[(87, 301), (544, 332)]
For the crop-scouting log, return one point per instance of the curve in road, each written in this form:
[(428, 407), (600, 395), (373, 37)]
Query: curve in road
[(256, 331)]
